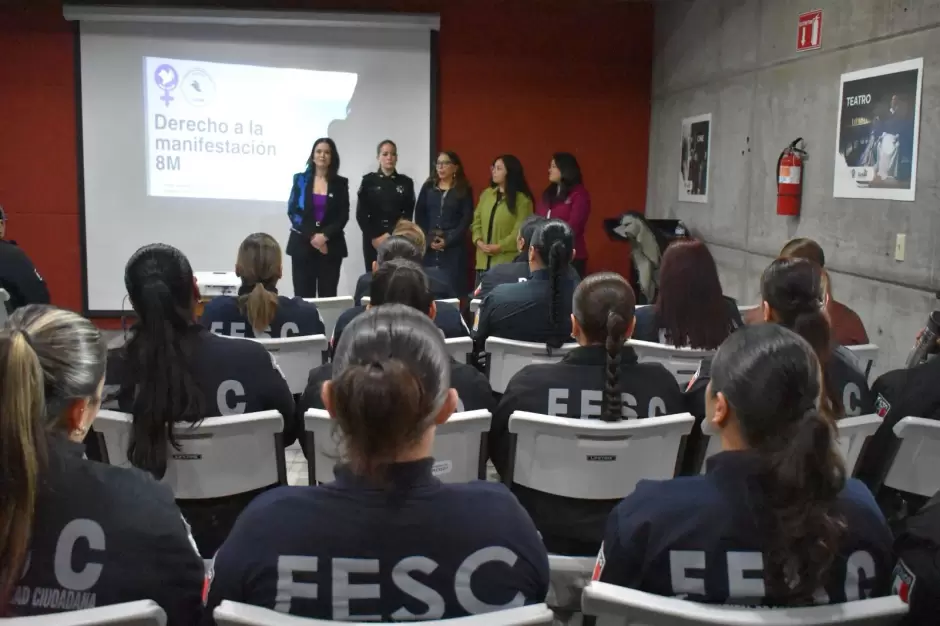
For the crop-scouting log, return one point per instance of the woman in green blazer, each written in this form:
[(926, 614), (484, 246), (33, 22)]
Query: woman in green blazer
[(500, 212)]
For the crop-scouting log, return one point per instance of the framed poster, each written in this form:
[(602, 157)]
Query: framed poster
[(878, 132), (695, 148)]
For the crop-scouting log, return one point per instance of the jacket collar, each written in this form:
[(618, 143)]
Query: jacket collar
[(398, 476), (597, 355), (522, 257), (539, 275), (62, 445), (739, 463), (382, 174)]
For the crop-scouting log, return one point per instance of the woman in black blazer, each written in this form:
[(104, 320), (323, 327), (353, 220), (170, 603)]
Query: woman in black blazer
[(444, 211), (318, 210)]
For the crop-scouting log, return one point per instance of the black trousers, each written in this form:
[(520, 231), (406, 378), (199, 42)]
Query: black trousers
[(315, 275), (368, 253)]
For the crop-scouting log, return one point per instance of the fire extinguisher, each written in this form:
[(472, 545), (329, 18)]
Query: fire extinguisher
[(790, 179)]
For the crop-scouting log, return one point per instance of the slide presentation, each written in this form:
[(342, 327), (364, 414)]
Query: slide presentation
[(234, 132)]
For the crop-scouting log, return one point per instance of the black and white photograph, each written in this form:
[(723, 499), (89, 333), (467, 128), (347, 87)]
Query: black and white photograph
[(693, 167), (879, 123)]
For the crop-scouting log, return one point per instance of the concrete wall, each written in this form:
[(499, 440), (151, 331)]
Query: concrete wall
[(737, 60)]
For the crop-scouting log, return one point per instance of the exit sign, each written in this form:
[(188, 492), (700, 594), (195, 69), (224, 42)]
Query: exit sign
[(809, 31)]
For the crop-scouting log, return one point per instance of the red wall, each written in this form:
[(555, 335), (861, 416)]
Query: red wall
[(529, 77)]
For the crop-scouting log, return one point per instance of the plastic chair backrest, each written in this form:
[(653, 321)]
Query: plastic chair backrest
[(137, 613), (213, 284), (508, 356), (459, 348), (591, 459), (629, 606), (681, 362), (458, 446), (475, 305), (330, 310), (296, 356), (236, 614), (916, 466), (220, 456), (852, 433), (866, 355)]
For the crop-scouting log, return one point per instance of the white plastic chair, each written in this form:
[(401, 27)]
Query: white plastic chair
[(330, 310), (221, 456), (366, 300), (459, 348), (621, 605), (507, 357), (590, 459), (4, 296), (916, 466), (744, 308), (866, 355), (853, 432), (296, 356), (214, 284), (475, 305), (681, 362), (138, 613), (459, 446), (236, 614)]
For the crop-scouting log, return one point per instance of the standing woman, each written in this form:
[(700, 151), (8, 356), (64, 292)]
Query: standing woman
[(385, 196), (499, 214), (318, 210), (444, 211), (567, 199)]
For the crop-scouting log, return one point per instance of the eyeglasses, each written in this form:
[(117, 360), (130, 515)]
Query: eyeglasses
[(444, 163)]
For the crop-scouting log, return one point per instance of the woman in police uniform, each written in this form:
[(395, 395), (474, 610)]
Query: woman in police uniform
[(385, 196)]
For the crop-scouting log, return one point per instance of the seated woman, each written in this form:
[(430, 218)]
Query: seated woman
[(174, 371), (258, 312), (518, 311), (794, 296), (690, 310), (401, 281), (600, 379), (77, 534), (448, 317), (773, 521), (386, 541), (437, 278)]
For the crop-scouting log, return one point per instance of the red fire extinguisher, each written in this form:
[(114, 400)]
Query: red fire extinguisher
[(790, 179)]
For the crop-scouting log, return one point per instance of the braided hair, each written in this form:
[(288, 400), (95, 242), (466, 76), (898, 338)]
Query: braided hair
[(604, 306), (553, 246)]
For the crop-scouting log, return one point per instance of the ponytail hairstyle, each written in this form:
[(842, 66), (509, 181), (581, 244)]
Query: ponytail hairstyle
[(48, 358), (770, 378), (401, 281), (159, 281), (553, 245), (795, 291), (391, 377), (259, 267), (604, 307)]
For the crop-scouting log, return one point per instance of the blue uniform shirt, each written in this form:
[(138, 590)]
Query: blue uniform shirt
[(698, 538), (413, 549), (294, 317)]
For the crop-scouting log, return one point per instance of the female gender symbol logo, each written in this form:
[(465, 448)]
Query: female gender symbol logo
[(167, 80)]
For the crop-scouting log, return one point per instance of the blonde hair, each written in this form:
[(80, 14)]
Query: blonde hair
[(48, 357), (412, 232), (259, 266)]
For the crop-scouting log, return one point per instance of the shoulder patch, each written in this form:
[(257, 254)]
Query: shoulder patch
[(599, 565), (904, 581), (882, 406)]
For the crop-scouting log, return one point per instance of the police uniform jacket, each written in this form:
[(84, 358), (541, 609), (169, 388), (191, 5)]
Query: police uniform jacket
[(437, 280), (699, 538), (519, 311), (104, 535), (236, 376), (18, 276), (917, 573), (516, 272), (574, 388), (648, 327), (303, 222), (448, 319), (473, 389), (408, 548), (383, 200), (913, 392), (294, 317)]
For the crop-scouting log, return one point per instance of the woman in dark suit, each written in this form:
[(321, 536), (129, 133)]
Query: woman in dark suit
[(318, 210), (444, 211)]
